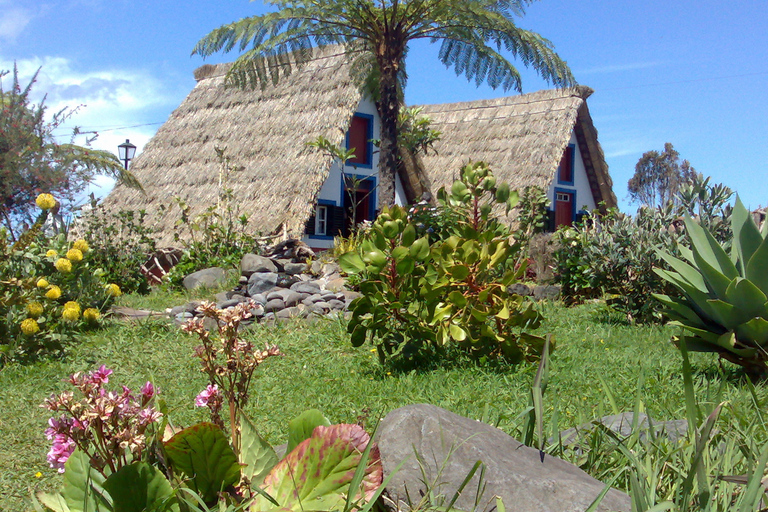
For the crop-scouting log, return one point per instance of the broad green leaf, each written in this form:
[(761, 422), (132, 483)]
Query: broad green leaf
[(375, 258), (202, 453), (409, 235), (502, 192), (457, 333), (755, 330), (83, 489), (139, 487), (302, 426), (55, 502), (757, 267), (390, 229), (725, 314), (256, 455), (746, 298), (399, 252), (459, 272), (358, 335), (708, 250), (315, 476), (405, 267), (351, 263), (457, 299), (420, 249), (514, 198)]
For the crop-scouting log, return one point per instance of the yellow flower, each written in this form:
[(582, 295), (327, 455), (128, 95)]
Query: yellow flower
[(113, 290), (71, 311), (42, 283), (38, 475), (63, 265), (45, 201), (54, 293), (51, 253), (35, 309), (81, 245), (29, 327), (75, 255), (91, 315)]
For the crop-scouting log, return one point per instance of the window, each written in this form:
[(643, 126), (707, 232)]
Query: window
[(565, 170), (321, 220), (359, 138)]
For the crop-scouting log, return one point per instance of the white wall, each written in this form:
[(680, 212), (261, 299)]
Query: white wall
[(584, 200)]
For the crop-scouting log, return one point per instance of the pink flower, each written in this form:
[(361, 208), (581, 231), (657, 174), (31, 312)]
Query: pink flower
[(147, 391), (101, 376), (149, 415), (208, 394), (62, 448)]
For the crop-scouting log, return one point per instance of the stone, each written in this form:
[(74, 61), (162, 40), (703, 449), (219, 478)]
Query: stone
[(293, 298), (546, 292), (252, 263), (289, 313), (621, 424), (295, 268), (242, 280), (316, 267), (328, 296), (280, 293), (350, 295), (319, 308), (259, 298), (448, 445), (208, 277), (286, 281), (336, 285), (261, 282), (306, 287), (274, 305), (238, 297), (183, 315), (280, 263), (336, 304), (221, 297), (520, 289), (330, 268), (229, 303)]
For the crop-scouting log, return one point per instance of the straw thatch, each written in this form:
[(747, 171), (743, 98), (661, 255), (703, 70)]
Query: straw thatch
[(522, 138), (265, 134)]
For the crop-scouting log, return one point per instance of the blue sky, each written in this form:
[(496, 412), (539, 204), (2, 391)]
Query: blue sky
[(688, 72)]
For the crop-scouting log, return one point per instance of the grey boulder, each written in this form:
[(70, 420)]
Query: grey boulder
[(261, 282), (208, 277), (252, 263), (524, 478)]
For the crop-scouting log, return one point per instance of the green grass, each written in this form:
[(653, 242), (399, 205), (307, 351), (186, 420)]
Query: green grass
[(322, 370)]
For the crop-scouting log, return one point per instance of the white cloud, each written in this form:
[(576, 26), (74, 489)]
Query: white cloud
[(13, 21), (619, 68)]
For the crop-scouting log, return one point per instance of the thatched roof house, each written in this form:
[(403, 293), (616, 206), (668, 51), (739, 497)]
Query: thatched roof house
[(523, 139), (264, 133)]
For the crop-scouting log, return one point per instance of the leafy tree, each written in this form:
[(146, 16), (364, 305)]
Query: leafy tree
[(473, 35), (659, 177), (31, 162)]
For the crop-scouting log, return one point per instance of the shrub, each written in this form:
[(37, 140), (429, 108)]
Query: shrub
[(420, 297)]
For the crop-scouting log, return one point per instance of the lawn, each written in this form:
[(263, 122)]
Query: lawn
[(322, 370)]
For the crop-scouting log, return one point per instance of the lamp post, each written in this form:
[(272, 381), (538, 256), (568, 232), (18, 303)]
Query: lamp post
[(126, 152)]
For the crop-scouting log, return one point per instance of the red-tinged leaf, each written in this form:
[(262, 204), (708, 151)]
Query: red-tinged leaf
[(317, 473)]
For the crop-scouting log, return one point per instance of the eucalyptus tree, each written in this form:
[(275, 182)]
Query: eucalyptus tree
[(474, 36)]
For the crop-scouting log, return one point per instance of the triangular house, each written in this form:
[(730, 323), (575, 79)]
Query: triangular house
[(285, 186), (544, 138)]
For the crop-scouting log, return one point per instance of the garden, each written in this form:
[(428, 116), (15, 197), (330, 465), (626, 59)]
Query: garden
[(662, 314)]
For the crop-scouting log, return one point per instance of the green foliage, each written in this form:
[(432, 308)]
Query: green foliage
[(31, 161), (614, 255), (49, 290), (723, 307), (420, 297), (659, 176), (121, 244)]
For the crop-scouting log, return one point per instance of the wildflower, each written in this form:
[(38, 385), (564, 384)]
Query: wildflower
[(45, 201), (113, 290), (75, 255), (38, 475), (208, 396), (147, 391), (63, 265), (71, 311), (91, 315), (35, 309), (51, 253), (62, 448), (81, 245), (42, 283), (53, 293), (29, 327), (100, 376)]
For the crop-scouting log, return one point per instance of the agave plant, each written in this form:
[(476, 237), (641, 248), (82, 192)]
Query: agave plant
[(724, 307)]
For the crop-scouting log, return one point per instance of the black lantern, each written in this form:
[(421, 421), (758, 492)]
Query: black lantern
[(126, 151)]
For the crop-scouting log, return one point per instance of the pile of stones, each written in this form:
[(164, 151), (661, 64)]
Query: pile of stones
[(283, 285)]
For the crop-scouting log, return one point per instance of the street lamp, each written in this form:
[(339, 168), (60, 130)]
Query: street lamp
[(126, 151)]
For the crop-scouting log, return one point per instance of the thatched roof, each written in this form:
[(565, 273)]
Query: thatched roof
[(522, 138), (265, 134)]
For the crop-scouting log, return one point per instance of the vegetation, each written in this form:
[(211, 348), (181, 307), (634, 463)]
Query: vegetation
[(724, 303), (32, 162), (473, 35), (659, 177), (419, 298)]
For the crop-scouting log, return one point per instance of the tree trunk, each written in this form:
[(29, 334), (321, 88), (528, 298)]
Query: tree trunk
[(388, 60)]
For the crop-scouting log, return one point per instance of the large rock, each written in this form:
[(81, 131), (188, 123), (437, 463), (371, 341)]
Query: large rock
[(523, 477), (254, 263), (208, 277), (621, 424), (261, 282)]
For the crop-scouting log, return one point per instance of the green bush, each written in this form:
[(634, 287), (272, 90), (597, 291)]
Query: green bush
[(420, 298), (614, 255)]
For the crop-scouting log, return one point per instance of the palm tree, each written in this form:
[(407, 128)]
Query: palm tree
[(473, 33)]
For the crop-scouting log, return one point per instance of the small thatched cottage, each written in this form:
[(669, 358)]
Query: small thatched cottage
[(285, 186)]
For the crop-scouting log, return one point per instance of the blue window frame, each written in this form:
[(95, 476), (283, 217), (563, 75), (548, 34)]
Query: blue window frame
[(324, 226)]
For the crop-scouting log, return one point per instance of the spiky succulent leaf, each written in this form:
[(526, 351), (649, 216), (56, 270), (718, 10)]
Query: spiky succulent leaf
[(203, 454), (757, 267), (755, 330), (685, 271), (315, 476), (746, 236), (679, 309), (706, 249), (747, 298)]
